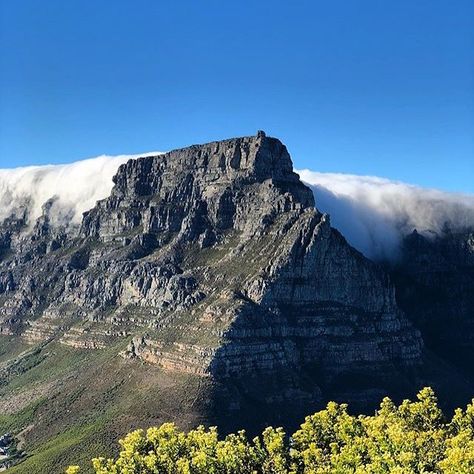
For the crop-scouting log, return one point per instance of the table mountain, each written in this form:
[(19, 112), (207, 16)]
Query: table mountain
[(209, 272)]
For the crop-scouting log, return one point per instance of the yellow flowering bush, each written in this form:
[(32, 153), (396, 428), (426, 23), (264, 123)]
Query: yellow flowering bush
[(411, 438)]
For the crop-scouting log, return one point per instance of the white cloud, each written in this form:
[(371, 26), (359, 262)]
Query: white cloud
[(76, 187), (375, 213)]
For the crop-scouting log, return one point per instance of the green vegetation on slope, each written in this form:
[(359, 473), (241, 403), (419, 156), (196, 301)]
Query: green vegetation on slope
[(58, 416), (412, 438)]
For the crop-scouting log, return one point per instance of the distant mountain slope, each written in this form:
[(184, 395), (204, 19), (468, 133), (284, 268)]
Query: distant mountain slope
[(434, 278)]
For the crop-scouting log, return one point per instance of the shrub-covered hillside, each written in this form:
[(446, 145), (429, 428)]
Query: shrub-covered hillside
[(413, 437)]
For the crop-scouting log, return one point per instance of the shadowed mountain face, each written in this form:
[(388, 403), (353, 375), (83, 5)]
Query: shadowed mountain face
[(435, 287), (208, 265)]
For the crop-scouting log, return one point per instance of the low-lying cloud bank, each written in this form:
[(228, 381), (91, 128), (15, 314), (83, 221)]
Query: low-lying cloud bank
[(372, 213), (375, 213), (75, 188)]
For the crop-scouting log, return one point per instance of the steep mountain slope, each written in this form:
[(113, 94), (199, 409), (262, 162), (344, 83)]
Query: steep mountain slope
[(435, 287), (206, 287)]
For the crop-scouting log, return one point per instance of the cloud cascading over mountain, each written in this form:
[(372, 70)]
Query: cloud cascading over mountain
[(372, 213), (75, 188), (375, 213)]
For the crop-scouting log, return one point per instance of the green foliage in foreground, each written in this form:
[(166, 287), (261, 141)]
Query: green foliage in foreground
[(410, 438)]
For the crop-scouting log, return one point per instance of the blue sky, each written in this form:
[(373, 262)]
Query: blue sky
[(359, 86)]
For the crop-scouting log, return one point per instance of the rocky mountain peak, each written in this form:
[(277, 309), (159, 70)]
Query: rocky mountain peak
[(227, 184), (244, 160)]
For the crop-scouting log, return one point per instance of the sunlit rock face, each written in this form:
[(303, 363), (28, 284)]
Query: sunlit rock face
[(214, 261)]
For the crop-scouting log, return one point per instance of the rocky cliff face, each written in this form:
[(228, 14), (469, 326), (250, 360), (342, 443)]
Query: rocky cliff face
[(213, 261)]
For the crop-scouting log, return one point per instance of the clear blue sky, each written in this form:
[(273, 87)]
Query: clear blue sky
[(378, 87)]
